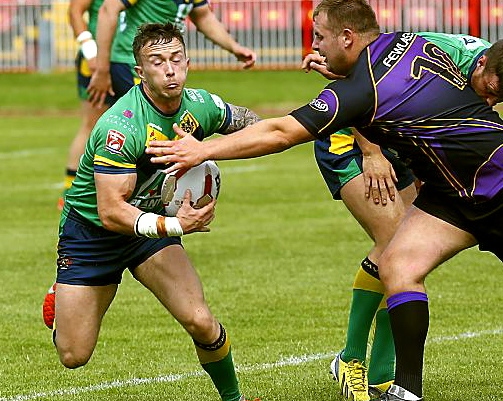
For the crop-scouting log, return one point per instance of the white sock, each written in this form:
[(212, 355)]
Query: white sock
[(403, 393)]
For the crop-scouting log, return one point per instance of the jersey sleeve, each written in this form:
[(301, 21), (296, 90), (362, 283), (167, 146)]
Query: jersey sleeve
[(129, 3), (116, 146), (199, 3), (343, 103), (219, 114)]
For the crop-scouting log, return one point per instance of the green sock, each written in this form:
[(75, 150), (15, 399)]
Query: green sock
[(382, 357), (367, 295), (224, 378), (361, 315), (216, 360)]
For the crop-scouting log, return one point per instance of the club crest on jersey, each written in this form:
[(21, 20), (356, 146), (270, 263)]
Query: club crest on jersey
[(115, 141), (154, 133), (188, 123), (319, 105), (127, 113)]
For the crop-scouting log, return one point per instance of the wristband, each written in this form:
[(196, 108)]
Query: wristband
[(89, 49), (152, 225), (87, 44), (83, 36)]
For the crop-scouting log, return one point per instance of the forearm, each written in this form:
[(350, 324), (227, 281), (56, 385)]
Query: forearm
[(118, 217), (368, 148), (208, 24), (76, 11), (77, 23), (107, 24), (262, 138)]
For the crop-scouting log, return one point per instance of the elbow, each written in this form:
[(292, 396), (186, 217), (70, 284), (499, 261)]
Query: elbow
[(106, 218), (283, 142)]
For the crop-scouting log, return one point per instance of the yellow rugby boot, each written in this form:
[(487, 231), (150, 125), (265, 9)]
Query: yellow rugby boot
[(352, 378)]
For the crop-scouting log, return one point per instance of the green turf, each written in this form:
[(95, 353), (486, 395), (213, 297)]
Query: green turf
[(277, 269)]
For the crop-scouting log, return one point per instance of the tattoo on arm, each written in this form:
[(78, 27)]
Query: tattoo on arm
[(241, 117)]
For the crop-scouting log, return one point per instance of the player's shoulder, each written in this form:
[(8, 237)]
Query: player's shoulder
[(459, 40), (127, 114), (203, 98)]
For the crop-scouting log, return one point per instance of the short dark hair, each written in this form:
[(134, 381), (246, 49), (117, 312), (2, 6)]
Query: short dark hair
[(494, 64), (356, 15), (153, 34)]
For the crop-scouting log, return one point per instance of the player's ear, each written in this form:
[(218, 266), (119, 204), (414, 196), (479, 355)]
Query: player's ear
[(481, 62), (139, 71), (348, 37)]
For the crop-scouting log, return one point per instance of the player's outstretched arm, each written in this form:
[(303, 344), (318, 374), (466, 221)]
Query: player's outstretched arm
[(241, 118), (268, 136)]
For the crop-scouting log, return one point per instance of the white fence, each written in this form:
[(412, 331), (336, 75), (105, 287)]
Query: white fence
[(35, 34)]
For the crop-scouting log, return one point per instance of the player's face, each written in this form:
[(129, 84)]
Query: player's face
[(485, 83), (164, 71), (331, 45)]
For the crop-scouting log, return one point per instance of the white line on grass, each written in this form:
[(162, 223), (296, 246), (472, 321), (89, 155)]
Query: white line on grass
[(289, 361), (16, 154), (243, 169)]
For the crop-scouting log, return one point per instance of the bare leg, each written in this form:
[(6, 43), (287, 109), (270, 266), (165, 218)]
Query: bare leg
[(380, 223), (89, 117), (421, 243), (79, 312), (171, 277)]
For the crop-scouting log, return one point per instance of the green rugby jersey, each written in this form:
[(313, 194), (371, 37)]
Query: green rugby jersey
[(464, 50), (93, 16), (139, 12), (118, 141)]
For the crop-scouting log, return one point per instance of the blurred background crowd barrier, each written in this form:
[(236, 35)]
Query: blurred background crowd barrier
[(35, 34)]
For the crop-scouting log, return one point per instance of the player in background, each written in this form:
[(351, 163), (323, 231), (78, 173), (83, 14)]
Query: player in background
[(83, 17), (346, 172), (404, 93), (112, 61), (113, 218)]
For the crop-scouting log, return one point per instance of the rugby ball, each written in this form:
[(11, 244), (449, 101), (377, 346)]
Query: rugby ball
[(203, 181)]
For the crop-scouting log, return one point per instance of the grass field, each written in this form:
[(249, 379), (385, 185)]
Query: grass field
[(277, 269)]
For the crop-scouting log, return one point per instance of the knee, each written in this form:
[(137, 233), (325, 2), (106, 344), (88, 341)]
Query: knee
[(72, 358), (203, 327)]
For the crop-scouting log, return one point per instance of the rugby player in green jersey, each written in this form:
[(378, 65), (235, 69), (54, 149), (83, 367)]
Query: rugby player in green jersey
[(347, 171), (113, 63), (113, 218), (83, 16)]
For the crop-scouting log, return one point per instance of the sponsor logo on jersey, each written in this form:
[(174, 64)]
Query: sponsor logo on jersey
[(188, 123), (401, 46), (154, 133), (148, 196), (127, 113), (319, 105), (194, 95), (115, 141)]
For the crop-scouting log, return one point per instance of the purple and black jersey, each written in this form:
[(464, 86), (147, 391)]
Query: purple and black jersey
[(406, 94)]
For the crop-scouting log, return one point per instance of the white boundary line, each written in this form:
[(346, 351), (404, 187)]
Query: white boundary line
[(290, 361), (16, 154)]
